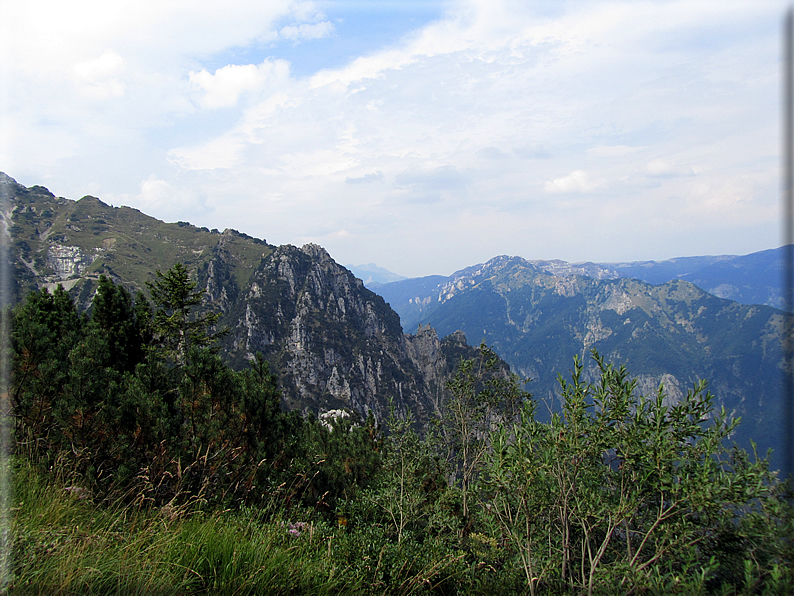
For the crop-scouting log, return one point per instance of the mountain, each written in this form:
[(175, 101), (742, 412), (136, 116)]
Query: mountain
[(673, 333), (748, 279), (57, 240), (372, 275), (332, 342), (658, 272)]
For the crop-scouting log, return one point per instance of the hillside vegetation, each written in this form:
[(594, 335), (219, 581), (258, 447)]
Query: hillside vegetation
[(56, 240), (143, 464)]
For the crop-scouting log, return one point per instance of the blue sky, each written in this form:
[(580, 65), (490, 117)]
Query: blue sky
[(422, 136), (356, 28)]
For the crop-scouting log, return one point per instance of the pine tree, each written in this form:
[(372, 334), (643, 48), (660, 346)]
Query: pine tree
[(176, 326), (112, 313), (45, 329)]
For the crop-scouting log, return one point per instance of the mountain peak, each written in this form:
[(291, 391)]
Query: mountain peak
[(6, 179), (315, 251)]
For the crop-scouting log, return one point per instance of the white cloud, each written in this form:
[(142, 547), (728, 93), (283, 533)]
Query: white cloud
[(490, 153), (731, 202), (471, 119), (167, 201), (576, 181), (532, 151), (665, 169), (227, 150), (307, 31), (223, 88), (324, 162), (221, 153), (45, 35), (613, 150), (444, 177), (366, 178), (98, 79)]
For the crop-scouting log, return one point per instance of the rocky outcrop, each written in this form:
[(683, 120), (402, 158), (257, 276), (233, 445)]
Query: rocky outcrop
[(68, 261), (334, 343)]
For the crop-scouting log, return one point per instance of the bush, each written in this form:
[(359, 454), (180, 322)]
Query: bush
[(625, 493)]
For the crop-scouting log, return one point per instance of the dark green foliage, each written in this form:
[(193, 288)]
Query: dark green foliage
[(176, 326), (618, 493), (113, 315), (143, 319), (45, 330), (88, 392), (333, 459)]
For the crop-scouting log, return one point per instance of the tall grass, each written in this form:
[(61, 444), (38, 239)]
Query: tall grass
[(64, 544)]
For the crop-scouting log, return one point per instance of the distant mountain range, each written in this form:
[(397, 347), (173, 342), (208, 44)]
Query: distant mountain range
[(748, 279), (538, 314), (372, 275), (334, 343)]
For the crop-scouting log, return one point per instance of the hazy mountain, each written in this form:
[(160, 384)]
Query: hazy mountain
[(371, 274), (749, 279), (332, 342), (658, 272), (673, 333)]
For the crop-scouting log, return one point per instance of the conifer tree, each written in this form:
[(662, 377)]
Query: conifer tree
[(112, 313), (176, 326), (45, 329), (143, 319)]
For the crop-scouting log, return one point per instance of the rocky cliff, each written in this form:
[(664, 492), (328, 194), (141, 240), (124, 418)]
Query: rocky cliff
[(334, 343)]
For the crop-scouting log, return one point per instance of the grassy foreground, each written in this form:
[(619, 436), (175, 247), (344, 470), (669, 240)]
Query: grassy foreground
[(65, 544)]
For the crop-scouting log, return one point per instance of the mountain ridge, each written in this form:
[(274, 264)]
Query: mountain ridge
[(334, 343)]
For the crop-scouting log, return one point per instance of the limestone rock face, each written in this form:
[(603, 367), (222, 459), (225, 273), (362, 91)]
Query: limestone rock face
[(68, 261), (334, 343)]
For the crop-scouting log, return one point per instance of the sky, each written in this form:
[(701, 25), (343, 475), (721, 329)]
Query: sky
[(421, 135)]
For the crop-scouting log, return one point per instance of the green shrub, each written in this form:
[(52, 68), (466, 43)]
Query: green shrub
[(626, 493)]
